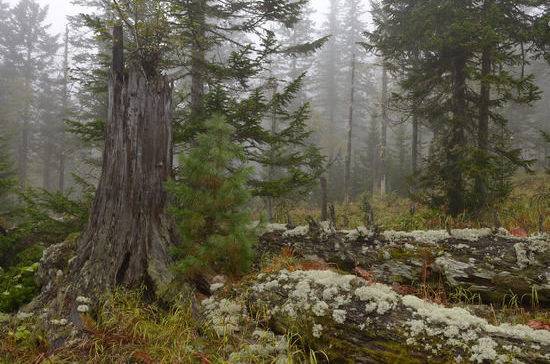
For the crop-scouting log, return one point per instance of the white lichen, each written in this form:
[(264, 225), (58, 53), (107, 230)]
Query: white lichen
[(83, 300), (216, 286), (435, 236), (484, 350), (317, 330), (522, 259), (380, 296), (83, 308), (297, 231), (339, 316), (320, 308)]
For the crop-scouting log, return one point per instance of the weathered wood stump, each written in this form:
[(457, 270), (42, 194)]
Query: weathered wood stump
[(495, 266)]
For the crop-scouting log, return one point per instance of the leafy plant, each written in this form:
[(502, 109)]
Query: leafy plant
[(17, 283)]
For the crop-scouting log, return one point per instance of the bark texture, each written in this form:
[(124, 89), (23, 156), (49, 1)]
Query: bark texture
[(453, 174), (490, 266), (127, 238), (347, 175), (352, 321)]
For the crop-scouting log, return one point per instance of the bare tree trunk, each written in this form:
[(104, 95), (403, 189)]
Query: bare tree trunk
[(65, 106), (414, 151), (274, 127), (453, 170), (324, 199), (414, 145), (47, 164), (384, 131), (24, 148), (127, 238), (198, 54), (23, 158), (483, 123), (347, 174)]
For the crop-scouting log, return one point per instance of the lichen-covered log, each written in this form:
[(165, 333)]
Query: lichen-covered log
[(494, 266), (353, 321)]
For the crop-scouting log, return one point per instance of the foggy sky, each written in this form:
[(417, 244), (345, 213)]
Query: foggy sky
[(59, 9)]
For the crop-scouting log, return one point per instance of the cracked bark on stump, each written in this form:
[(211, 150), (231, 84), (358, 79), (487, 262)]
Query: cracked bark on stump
[(127, 238), (494, 266)]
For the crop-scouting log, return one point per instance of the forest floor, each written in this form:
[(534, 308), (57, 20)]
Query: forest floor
[(254, 319), (322, 319)]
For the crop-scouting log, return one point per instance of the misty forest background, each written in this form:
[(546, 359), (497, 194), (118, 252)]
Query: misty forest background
[(322, 100), (149, 145)]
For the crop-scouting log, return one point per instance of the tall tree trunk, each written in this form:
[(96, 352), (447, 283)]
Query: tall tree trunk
[(454, 147), (483, 122), (414, 151), (324, 199), (274, 127), (23, 157), (384, 131), (47, 164), (414, 144), (24, 148), (197, 14), (347, 174), (64, 114), (127, 238)]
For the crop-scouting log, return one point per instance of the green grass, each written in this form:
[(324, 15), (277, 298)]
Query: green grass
[(128, 330)]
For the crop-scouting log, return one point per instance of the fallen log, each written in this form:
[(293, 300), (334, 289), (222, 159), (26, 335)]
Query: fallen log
[(351, 321), (492, 267)]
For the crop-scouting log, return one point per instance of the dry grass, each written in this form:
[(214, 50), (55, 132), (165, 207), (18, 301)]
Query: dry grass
[(521, 210)]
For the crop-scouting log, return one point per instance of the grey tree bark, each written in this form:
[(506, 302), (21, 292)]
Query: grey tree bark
[(383, 131), (347, 175), (198, 53), (455, 143), (127, 239), (64, 114)]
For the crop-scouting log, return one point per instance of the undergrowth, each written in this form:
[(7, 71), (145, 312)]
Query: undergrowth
[(126, 329), (529, 200)]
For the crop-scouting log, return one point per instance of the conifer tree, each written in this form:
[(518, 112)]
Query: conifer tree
[(209, 203), (227, 77), (29, 52), (455, 58)]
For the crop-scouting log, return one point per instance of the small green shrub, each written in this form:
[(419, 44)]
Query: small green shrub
[(17, 287), (209, 202)]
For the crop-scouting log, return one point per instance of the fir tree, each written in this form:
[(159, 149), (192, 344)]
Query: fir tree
[(29, 52), (455, 60), (209, 204)]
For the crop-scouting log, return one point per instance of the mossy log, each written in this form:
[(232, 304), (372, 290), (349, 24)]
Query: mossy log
[(481, 264), (345, 319)]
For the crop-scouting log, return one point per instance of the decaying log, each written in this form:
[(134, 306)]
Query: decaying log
[(493, 267), (352, 321)]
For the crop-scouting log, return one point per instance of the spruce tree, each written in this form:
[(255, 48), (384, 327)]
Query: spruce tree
[(455, 60), (29, 52), (209, 203)]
